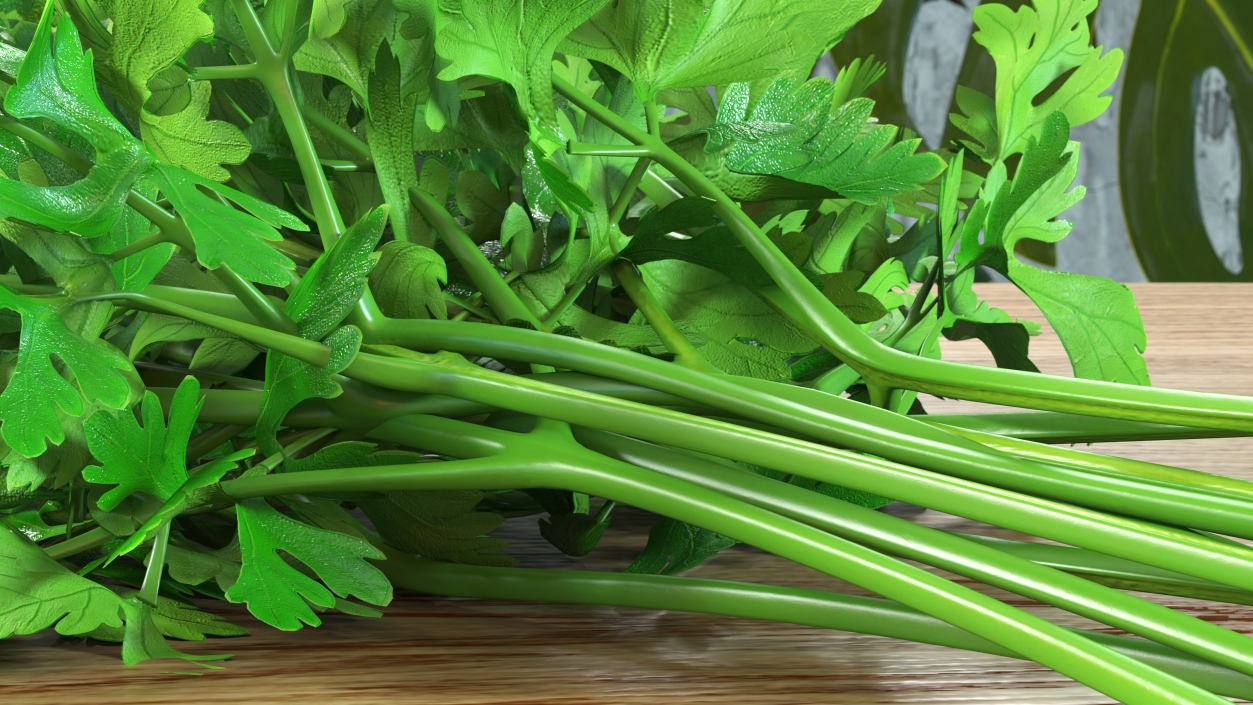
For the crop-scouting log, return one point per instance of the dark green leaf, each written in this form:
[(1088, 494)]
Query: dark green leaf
[(674, 547), (1007, 342), (406, 281), (572, 534)]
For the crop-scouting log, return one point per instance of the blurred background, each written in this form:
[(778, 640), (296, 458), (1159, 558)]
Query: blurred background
[(1170, 209)]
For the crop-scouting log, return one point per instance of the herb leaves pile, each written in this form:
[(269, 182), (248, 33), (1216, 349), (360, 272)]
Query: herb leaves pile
[(309, 297)]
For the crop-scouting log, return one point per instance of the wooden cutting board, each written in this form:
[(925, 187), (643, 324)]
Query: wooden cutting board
[(445, 651)]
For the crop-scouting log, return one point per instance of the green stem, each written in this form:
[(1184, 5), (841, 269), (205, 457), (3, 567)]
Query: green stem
[(365, 406), (657, 190), (486, 278), (209, 73), (1115, 572), (80, 163), (266, 311), (547, 465), (776, 603), (568, 299), (915, 310), (212, 438), (685, 353), (978, 561), (1137, 540), (309, 351), (156, 565), (272, 68), (1065, 429), (893, 368), (139, 245), (830, 419), (623, 201), (480, 312), (1098, 462), (342, 137)]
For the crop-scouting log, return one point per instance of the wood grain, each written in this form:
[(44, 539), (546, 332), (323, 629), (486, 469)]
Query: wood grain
[(461, 651)]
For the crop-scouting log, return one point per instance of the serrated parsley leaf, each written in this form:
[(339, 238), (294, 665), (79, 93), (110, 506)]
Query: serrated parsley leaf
[(179, 500), (721, 134), (336, 280), (664, 44), (275, 592), (28, 406), (514, 41), (831, 146), (37, 592), (225, 235), (1033, 48), (57, 81), (289, 381), (150, 459), (674, 547), (176, 619), (147, 38), (1096, 318), (143, 639)]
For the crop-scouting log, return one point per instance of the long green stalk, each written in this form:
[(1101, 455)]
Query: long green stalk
[(832, 419), (1100, 463), (1115, 572), (1135, 540), (981, 562), (776, 603), (541, 400), (543, 461), (365, 406), (1058, 428)]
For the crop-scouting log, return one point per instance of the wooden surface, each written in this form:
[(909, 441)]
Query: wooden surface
[(453, 651)]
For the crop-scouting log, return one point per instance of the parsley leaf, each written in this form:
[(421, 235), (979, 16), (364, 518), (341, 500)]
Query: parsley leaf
[(275, 592), (1033, 48), (37, 592), (674, 547), (28, 406), (514, 41), (149, 459), (831, 146), (710, 44)]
